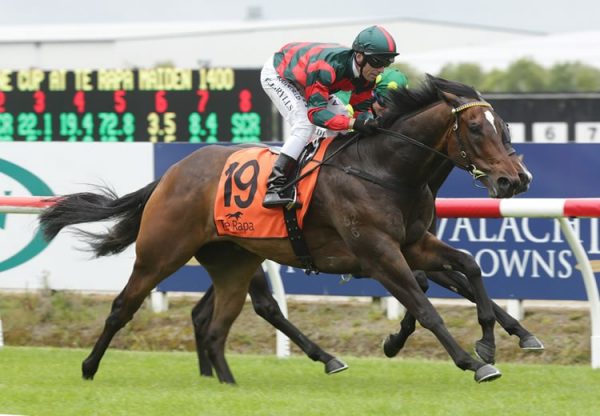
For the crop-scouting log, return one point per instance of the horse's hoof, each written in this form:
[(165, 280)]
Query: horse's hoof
[(88, 371), (531, 343), (485, 352), (487, 373), (335, 366), (391, 348)]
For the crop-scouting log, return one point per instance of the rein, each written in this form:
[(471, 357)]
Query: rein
[(346, 144), (468, 167)]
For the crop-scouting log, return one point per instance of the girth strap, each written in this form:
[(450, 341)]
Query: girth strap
[(297, 240)]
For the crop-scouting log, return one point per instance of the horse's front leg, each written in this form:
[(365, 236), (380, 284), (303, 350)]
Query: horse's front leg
[(381, 258), (458, 283), (430, 253)]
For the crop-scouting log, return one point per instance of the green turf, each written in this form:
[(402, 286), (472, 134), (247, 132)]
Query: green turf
[(47, 381)]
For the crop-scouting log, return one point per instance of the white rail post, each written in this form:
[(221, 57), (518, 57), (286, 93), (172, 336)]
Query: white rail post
[(590, 287), (1, 335), (514, 307), (159, 301), (393, 308), (283, 342)]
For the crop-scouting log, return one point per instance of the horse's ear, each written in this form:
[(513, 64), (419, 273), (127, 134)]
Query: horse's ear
[(449, 98)]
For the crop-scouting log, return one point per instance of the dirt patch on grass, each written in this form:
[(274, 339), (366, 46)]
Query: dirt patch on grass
[(66, 319)]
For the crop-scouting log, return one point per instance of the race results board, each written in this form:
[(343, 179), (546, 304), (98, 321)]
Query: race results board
[(202, 105)]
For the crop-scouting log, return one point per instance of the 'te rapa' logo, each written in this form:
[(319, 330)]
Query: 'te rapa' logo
[(35, 186)]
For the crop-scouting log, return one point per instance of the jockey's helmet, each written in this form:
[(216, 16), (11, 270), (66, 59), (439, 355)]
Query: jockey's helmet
[(377, 44)]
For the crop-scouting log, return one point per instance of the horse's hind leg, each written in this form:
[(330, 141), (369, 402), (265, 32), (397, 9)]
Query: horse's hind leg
[(143, 279), (266, 307), (159, 253), (231, 279), (122, 310), (201, 316)]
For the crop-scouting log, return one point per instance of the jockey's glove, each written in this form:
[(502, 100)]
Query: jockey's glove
[(366, 125)]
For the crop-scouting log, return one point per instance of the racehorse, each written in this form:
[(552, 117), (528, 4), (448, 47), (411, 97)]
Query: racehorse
[(266, 306), (369, 215), (456, 282)]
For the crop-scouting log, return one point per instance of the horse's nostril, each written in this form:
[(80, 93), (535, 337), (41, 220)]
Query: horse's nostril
[(507, 186), (503, 182), (524, 178)]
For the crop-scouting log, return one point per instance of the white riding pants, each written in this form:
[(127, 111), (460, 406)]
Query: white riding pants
[(293, 108)]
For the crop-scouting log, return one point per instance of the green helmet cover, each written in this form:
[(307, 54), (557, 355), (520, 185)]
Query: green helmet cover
[(390, 79), (375, 40)]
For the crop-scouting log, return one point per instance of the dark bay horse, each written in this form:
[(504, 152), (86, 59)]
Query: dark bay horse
[(456, 281), (377, 227), (266, 306)]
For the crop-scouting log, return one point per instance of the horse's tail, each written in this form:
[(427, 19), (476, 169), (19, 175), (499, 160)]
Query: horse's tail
[(85, 207)]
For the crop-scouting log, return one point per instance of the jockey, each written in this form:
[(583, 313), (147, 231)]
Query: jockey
[(391, 79), (301, 78)]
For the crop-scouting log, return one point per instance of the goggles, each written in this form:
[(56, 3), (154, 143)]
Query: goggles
[(379, 61), (378, 98)]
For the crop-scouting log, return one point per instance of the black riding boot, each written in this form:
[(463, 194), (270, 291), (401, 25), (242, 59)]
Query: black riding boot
[(280, 175)]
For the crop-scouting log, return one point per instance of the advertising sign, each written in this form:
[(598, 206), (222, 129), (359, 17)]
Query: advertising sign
[(40, 169)]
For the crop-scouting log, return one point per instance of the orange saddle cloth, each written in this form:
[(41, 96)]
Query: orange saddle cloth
[(242, 187)]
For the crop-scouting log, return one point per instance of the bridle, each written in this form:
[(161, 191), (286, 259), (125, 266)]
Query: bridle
[(472, 169), (468, 165)]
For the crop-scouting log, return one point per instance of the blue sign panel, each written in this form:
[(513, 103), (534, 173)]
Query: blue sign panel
[(520, 258), (528, 258)]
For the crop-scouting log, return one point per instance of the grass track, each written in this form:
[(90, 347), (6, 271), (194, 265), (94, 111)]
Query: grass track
[(47, 381)]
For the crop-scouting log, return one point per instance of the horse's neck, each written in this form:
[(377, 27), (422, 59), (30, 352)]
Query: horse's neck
[(439, 176), (411, 161)]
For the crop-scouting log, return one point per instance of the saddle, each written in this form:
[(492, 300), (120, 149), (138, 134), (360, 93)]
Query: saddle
[(238, 209)]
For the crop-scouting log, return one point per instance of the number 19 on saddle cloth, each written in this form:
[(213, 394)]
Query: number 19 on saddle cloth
[(238, 207)]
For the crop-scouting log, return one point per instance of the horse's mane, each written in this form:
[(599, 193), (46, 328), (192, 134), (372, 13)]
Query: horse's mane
[(404, 101)]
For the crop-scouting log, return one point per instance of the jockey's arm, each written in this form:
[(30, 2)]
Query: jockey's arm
[(361, 102), (317, 96)]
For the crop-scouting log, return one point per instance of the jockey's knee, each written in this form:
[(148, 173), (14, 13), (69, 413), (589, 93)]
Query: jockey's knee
[(301, 134)]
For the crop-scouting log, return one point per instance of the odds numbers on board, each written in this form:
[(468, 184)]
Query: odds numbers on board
[(122, 105)]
